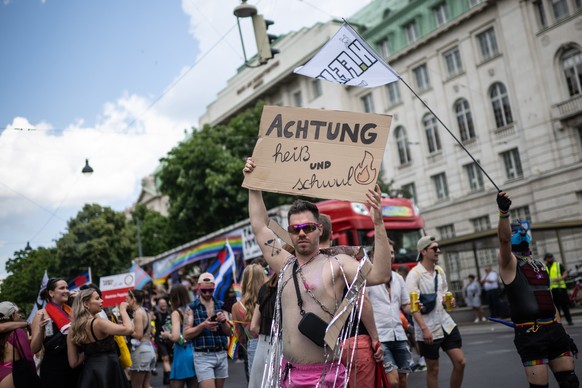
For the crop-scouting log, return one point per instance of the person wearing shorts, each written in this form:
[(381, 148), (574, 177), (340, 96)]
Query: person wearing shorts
[(539, 337), (208, 328), (434, 328), (387, 300)]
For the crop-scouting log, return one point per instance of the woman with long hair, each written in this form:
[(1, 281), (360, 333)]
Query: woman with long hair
[(183, 362), (143, 356), (242, 311), (91, 342), (50, 327), (261, 327), (14, 345)]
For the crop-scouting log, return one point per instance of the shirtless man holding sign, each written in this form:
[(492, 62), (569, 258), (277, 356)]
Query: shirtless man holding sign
[(320, 281)]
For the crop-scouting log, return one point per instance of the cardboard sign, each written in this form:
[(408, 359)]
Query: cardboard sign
[(115, 287), (318, 153)]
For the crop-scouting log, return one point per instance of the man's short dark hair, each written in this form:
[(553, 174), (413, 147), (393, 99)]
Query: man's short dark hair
[(301, 206), (325, 222)]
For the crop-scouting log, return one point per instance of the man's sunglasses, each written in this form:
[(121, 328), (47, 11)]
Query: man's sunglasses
[(436, 249), (207, 290), (306, 228)]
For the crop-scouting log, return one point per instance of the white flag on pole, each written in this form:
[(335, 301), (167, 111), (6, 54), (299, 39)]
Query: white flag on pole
[(348, 60), (39, 301)]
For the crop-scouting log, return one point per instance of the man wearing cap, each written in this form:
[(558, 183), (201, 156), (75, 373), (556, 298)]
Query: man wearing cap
[(312, 285), (540, 338), (558, 277), (434, 328), (208, 328)]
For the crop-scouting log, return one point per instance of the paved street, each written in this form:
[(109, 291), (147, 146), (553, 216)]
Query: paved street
[(491, 359)]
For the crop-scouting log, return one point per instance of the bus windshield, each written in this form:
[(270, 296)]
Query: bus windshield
[(404, 242)]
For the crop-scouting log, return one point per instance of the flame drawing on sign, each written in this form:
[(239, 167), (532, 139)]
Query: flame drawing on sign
[(365, 173)]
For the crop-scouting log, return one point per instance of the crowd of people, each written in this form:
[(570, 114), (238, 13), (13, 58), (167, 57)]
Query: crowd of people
[(309, 323)]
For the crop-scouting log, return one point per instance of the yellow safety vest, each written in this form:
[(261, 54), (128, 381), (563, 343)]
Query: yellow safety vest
[(554, 273)]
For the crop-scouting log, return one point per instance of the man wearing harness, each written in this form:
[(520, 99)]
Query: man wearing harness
[(321, 281), (540, 338)]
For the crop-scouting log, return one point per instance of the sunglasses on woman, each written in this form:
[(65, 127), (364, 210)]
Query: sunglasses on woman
[(308, 227)]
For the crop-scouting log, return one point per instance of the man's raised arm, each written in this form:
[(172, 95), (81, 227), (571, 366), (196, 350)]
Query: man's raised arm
[(268, 242), (507, 261), (381, 269)]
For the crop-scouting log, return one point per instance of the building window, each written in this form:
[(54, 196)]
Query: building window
[(560, 8), (572, 66), (316, 88), (297, 99), (488, 44), (540, 13), (421, 76), (474, 176), (402, 145), (393, 91), (440, 186), (512, 164), (432, 134), (481, 223), (409, 191), (384, 47), (473, 3), (446, 231), (441, 14), (453, 61), (464, 120), (520, 213), (500, 104), (411, 32), (367, 103)]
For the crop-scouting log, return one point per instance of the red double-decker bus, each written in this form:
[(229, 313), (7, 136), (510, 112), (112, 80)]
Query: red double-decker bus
[(352, 225)]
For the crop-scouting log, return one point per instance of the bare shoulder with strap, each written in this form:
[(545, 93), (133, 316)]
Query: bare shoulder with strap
[(92, 331)]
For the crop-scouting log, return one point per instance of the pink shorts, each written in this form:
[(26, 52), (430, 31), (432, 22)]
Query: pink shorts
[(308, 375)]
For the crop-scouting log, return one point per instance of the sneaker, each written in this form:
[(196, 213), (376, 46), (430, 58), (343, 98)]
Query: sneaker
[(483, 319), (419, 368), (476, 320)]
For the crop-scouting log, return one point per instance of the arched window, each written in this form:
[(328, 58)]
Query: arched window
[(572, 66), (432, 134), (464, 119), (402, 144), (500, 104)]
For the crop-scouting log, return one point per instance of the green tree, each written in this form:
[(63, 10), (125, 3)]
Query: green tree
[(154, 231), (26, 270), (203, 177), (98, 237)]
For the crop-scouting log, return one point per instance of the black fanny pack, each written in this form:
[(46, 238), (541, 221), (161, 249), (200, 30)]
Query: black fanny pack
[(311, 326), (429, 301)]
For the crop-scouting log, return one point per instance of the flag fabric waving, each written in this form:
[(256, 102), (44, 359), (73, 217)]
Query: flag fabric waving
[(82, 279), (142, 278), (347, 59), (223, 270), (39, 301)]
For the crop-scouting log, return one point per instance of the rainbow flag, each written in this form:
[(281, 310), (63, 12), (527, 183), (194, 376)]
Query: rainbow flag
[(237, 290), (232, 343), (141, 277)]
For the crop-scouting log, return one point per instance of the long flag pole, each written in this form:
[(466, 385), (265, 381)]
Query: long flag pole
[(427, 107)]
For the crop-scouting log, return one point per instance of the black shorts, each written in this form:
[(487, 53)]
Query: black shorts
[(547, 343), (450, 341), (164, 348)]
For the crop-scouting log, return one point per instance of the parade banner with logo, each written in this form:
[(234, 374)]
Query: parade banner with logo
[(318, 153), (115, 287)]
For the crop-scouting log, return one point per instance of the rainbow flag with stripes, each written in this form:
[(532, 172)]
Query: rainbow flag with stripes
[(232, 343)]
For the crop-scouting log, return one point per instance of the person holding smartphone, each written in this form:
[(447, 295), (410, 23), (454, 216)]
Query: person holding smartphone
[(208, 328)]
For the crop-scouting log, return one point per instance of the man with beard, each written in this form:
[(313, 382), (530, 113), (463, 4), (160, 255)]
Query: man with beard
[(208, 328), (540, 338), (312, 283)]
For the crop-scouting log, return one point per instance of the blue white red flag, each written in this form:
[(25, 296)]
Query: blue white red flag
[(223, 270), (142, 278), (39, 301), (82, 279), (347, 59)]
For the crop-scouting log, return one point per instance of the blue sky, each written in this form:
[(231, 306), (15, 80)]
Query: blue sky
[(116, 82)]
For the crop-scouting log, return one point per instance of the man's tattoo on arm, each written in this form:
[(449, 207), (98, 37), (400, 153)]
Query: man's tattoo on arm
[(275, 250)]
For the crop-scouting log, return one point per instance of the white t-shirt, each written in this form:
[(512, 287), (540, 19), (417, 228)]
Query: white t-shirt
[(386, 308), (438, 320), (490, 281)]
